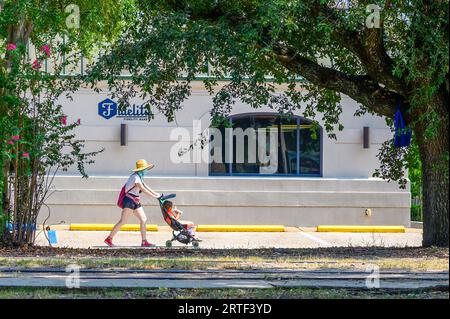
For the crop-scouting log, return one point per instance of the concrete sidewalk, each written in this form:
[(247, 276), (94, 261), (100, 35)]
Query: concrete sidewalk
[(295, 238), (221, 279)]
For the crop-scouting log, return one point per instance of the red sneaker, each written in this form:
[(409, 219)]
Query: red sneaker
[(108, 241), (147, 244)]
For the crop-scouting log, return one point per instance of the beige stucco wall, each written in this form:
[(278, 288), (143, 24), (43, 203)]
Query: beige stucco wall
[(232, 200), (340, 196), (344, 157)]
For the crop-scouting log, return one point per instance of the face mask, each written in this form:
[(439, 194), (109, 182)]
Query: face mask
[(143, 173)]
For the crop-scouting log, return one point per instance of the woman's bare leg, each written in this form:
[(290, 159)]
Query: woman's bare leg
[(140, 214), (126, 213)]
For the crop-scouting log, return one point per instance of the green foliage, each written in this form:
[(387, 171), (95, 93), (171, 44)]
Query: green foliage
[(392, 161), (245, 41), (99, 21), (414, 166), (36, 137), (165, 46), (416, 213), (173, 40)]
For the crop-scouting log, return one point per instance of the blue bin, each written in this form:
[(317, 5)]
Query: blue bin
[(52, 237)]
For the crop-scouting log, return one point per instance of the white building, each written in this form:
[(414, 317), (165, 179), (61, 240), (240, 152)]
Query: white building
[(317, 181)]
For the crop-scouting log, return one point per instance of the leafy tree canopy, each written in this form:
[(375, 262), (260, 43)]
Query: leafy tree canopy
[(83, 23), (405, 59)]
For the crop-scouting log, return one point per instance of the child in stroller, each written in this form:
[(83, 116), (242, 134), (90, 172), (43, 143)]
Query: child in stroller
[(183, 230)]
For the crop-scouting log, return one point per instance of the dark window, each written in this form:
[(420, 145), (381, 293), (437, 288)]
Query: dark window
[(297, 152), (309, 150)]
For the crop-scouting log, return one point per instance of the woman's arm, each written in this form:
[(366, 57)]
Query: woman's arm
[(147, 190)]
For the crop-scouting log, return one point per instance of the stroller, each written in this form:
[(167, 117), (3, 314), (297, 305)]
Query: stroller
[(178, 231)]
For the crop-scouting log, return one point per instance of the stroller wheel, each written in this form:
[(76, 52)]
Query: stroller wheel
[(195, 244), (169, 243)]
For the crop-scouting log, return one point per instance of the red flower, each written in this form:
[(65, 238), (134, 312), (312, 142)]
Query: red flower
[(46, 49), (63, 120), (78, 121), (26, 155), (36, 65), (11, 47), (15, 138), (10, 142)]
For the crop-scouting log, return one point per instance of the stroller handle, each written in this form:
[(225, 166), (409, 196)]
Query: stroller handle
[(163, 198)]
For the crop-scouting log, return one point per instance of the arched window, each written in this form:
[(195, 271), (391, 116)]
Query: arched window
[(266, 144)]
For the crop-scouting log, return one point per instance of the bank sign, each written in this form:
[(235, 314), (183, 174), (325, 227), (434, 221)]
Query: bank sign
[(109, 109)]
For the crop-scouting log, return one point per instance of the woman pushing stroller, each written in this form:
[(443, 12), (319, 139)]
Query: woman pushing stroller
[(129, 201)]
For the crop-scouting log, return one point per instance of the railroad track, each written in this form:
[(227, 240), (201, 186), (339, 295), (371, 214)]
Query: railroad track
[(267, 278)]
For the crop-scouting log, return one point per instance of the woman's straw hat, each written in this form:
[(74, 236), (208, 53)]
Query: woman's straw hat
[(142, 164)]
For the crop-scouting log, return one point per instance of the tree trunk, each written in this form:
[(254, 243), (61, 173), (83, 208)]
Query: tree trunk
[(434, 157)]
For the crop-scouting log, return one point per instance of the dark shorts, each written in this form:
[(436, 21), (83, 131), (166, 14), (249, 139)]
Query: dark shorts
[(129, 203)]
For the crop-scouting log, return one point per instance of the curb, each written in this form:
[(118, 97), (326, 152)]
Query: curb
[(360, 229), (240, 228), (416, 225), (200, 228)]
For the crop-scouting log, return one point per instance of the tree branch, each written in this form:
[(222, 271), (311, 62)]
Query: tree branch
[(368, 46), (379, 90), (362, 89)]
